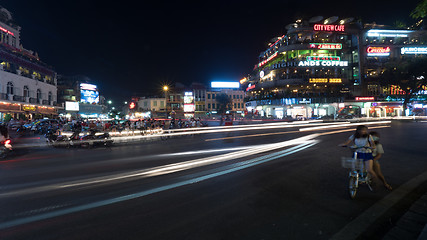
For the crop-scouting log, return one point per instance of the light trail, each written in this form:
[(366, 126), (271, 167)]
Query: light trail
[(288, 132), (106, 202), (161, 170), (344, 125)]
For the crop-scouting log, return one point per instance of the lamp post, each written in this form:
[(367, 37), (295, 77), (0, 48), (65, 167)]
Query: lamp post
[(165, 89)]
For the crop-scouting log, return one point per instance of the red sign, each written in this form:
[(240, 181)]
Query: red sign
[(326, 45), (365, 98), (250, 87), (378, 50), (329, 28), (323, 58), (132, 105)]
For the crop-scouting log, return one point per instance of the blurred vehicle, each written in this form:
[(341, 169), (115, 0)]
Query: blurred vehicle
[(93, 139), (5, 148), (42, 126)]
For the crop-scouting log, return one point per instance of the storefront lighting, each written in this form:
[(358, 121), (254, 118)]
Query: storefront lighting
[(413, 50), (326, 45), (387, 33), (7, 31), (378, 51)]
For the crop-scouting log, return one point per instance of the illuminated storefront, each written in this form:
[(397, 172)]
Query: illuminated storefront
[(330, 61)]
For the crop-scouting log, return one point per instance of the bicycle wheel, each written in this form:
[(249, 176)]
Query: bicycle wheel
[(352, 187)]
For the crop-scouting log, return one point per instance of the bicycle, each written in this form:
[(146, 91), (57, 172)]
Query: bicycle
[(358, 173)]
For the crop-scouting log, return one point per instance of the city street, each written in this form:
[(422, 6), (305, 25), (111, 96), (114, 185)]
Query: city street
[(270, 181)]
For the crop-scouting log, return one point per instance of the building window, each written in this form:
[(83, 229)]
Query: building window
[(162, 104), (155, 103), (213, 105), (26, 91), (235, 105), (209, 105), (39, 94), (9, 88), (49, 97), (213, 96), (238, 105), (145, 103), (209, 96), (234, 96)]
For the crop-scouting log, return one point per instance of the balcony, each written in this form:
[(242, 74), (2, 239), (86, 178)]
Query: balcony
[(18, 98), (45, 102), (33, 100)]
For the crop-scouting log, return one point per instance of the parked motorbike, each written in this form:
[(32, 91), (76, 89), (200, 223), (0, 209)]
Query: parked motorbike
[(5, 148)]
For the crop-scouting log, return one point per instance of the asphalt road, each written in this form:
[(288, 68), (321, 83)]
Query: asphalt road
[(274, 183)]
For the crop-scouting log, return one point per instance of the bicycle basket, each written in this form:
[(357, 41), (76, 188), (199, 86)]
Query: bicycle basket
[(352, 163)]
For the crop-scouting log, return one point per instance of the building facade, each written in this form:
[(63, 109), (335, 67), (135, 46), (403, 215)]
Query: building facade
[(27, 85), (321, 62)]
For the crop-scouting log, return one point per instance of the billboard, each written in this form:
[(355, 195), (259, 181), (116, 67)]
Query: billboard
[(217, 84), (189, 102), (89, 93), (71, 106)]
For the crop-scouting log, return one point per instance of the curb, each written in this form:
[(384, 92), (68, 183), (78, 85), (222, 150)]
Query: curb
[(359, 225)]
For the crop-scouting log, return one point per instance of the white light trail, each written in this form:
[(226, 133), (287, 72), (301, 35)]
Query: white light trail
[(162, 170)]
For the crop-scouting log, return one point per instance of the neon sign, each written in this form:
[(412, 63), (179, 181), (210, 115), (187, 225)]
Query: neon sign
[(413, 50), (378, 51), (329, 28), (365, 98), (250, 87), (7, 31), (268, 59), (132, 105), (326, 45), (323, 58), (387, 33), (323, 63)]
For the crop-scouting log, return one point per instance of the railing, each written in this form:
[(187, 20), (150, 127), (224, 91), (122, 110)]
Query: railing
[(33, 100), (45, 102), (18, 98)]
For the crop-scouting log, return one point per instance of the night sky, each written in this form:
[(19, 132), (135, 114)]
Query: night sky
[(133, 47)]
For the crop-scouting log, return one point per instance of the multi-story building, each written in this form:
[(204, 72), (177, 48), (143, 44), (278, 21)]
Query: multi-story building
[(27, 85), (320, 63), (152, 104), (79, 91), (237, 97)]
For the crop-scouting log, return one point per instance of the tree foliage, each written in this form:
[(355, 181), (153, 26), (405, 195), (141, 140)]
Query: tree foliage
[(408, 74), (224, 103), (420, 10)]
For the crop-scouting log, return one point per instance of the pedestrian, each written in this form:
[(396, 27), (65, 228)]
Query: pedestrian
[(364, 145), (377, 154)]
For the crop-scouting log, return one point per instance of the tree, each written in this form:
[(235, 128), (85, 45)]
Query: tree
[(420, 10), (408, 74), (224, 103)]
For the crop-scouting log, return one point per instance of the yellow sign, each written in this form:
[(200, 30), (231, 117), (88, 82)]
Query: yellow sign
[(28, 108), (318, 80), (325, 80), (335, 80)]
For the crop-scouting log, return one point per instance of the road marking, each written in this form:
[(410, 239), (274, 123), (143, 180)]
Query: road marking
[(56, 213)]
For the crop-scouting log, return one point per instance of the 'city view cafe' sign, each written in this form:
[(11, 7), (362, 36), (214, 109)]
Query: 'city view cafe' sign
[(329, 28)]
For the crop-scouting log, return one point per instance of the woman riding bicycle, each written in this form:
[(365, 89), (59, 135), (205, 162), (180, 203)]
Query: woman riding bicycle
[(363, 144)]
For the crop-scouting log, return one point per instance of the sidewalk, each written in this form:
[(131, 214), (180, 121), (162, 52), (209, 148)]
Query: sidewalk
[(413, 224)]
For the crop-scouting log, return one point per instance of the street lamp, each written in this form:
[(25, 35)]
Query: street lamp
[(126, 102), (165, 88), (110, 102)]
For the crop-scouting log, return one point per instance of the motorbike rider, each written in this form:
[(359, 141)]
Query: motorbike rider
[(4, 133), (77, 128)]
